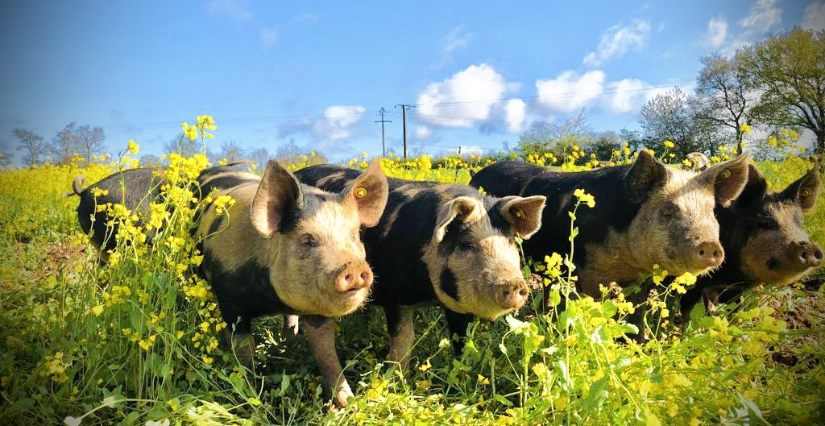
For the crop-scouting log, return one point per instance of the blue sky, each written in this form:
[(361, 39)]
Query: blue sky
[(318, 72)]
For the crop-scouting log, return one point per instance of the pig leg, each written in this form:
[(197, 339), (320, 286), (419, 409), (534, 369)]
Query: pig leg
[(457, 326), (290, 328), (320, 333), (402, 333)]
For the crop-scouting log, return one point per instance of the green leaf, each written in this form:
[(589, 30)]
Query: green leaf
[(597, 394), (697, 312), (503, 401)]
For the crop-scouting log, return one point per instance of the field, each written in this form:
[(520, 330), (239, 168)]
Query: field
[(138, 341)]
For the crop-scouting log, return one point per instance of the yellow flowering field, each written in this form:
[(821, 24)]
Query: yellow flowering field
[(138, 341)]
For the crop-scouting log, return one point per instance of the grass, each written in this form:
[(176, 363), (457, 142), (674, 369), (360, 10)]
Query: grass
[(136, 342)]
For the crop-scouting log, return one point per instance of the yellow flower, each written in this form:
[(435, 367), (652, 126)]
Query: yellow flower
[(669, 144), (585, 198), (745, 128), (425, 366), (97, 310), (133, 147)]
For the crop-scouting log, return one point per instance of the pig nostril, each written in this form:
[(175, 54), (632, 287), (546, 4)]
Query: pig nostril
[(348, 278), (716, 254), (522, 293), (506, 294), (702, 253)]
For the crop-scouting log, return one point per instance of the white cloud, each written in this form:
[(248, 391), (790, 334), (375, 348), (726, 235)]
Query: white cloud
[(626, 95), (422, 133), (235, 9), (763, 15), (338, 121), (570, 91), (514, 112), (717, 31), (617, 40), (457, 38), (814, 17), (269, 37), (464, 99)]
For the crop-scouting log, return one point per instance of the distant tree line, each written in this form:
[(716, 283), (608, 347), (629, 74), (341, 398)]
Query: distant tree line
[(776, 85)]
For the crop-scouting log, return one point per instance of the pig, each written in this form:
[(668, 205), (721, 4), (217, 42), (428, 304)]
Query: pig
[(763, 238), (134, 188), (698, 161), (289, 248), (646, 214), (439, 243)]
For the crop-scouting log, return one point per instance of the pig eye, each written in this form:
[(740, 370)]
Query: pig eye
[(467, 246), (308, 240), (669, 211)]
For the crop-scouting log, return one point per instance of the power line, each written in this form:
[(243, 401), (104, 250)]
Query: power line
[(382, 121), (404, 113)]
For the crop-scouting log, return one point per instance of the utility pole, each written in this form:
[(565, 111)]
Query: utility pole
[(404, 115), (382, 121)]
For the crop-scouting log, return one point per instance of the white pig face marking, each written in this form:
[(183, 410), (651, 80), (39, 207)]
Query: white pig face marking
[(323, 246)]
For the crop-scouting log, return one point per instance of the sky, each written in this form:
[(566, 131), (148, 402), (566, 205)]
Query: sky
[(317, 73)]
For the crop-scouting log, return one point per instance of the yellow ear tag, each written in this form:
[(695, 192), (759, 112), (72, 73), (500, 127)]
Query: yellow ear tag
[(520, 213), (805, 192), (360, 192), (725, 174)]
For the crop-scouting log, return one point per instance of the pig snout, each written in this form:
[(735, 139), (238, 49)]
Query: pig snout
[(354, 276), (512, 295), (809, 254), (708, 254)]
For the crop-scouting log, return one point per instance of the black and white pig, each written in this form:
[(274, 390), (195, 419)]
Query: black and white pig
[(764, 239), (441, 243), (646, 214), (134, 188), (289, 248)]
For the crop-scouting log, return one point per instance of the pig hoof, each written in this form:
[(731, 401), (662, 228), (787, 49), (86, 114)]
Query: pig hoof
[(343, 394)]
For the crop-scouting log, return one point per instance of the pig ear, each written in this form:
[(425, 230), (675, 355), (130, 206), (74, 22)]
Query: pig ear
[(464, 209), (755, 188), (369, 192), (644, 175), (523, 213), (805, 189), (728, 179), (279, 196)]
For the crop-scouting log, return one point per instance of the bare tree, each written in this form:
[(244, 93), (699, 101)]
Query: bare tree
[(544, 136), (5, 159), (33, 144), (89, 141), (723, 95), (259, 156), (150, 160), (232, 151), (669, 116), (184, 146), (64, 144)]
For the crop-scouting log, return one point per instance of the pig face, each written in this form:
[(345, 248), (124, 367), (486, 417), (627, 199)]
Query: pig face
[(675, 227), (767, 229), (318, 262), (473, 260)]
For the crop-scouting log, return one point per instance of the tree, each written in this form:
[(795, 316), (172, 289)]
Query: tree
[(5, 159), (669, 116), (259, 156), (231, 151), (89, 141), (553, 136), (604, 143), (790, 69), (184, 146), (33, 144), (723, 96), (150, 160), (64, 144)]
